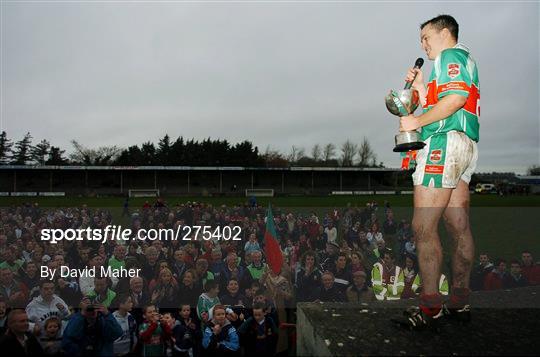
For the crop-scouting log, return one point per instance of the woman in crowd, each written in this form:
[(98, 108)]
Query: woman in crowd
[(165, 293), (308, 278), (357, 262), (189, 290)]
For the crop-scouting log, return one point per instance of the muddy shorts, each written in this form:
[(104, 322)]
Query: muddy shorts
[(446, 159)]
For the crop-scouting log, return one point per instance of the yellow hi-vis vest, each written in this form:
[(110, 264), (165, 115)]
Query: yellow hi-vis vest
[(387, 291), (443, 284)]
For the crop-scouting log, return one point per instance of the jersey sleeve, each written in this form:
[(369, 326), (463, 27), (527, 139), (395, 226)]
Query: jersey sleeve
[(454, 77)]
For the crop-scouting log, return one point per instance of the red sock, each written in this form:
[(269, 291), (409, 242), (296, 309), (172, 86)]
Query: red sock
[(459, 297), (431, 304)]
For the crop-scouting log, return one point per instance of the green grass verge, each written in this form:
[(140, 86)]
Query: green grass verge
[(285, 201)]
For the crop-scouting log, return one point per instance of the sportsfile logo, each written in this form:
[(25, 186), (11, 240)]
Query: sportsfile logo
[(111, 232)]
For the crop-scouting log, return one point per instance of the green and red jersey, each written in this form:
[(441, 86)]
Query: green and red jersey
[(454, 72)]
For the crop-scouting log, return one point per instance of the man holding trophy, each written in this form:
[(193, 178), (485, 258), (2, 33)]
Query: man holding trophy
[(444, 165)]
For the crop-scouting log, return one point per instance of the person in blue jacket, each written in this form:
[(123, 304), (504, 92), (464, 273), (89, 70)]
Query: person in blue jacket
[(92, 331), (220, 337)]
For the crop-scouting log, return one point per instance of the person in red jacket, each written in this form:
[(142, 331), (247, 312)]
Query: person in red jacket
[(495, 279), (529, 269)]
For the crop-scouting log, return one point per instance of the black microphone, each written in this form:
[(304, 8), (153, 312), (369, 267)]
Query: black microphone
[(418, 64)]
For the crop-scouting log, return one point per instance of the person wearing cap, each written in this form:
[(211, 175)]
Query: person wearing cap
[(359, 291)]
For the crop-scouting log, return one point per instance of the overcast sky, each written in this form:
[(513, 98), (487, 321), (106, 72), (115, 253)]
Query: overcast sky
[(278, 74)]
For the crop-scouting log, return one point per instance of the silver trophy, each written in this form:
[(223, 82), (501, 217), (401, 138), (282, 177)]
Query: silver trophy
[(402, 103)]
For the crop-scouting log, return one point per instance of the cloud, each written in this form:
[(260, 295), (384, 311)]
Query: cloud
[(277, 74)]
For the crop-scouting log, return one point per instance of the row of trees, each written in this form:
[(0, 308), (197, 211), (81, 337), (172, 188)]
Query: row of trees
[(350, 154), (23, 152), (181, 152)]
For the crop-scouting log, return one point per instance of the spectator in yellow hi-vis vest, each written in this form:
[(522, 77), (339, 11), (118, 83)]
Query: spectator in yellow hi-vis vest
[(443, 285), (387, 278)]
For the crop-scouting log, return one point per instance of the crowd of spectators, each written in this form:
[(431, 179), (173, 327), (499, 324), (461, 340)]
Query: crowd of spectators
[(203, 297)]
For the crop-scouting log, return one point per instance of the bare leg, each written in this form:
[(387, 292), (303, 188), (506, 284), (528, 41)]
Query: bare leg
[(429, 205), (456, 219)]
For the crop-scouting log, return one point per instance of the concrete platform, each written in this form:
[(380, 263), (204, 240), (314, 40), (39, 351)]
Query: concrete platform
[(503, 323)]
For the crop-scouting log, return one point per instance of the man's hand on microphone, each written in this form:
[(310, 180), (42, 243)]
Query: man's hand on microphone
[(418, 81), (409, 123)]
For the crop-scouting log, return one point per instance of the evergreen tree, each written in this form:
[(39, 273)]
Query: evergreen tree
[(148, 154), (40, 152), (21, 154), (5, 148), (177, 152), (56, 157), (164, 151)]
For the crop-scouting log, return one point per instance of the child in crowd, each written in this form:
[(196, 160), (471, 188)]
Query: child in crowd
[(207, 300), (154, 333), (186, 333), (168, 319), (259, 333), (220, 337), (51, 341), (127, 342)]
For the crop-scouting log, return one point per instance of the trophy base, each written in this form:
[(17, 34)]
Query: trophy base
[(408, 140)]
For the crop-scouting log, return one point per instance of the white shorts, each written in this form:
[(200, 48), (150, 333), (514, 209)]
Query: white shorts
[(446, 159)]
